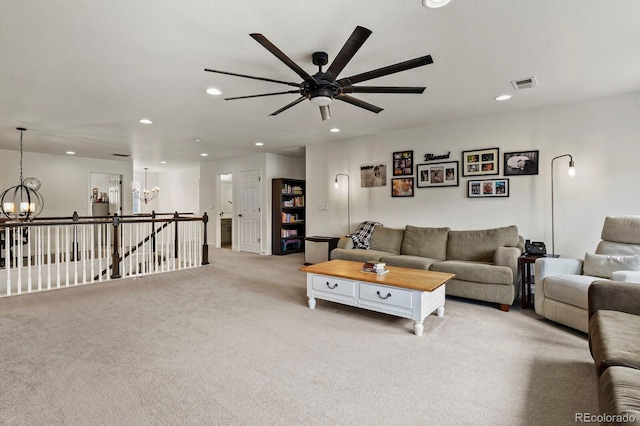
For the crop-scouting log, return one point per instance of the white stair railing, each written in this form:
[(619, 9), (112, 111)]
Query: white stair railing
[(56, 253)]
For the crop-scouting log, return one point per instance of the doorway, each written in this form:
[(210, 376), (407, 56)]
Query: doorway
[(249, 216), (225, 224), (105, 191)]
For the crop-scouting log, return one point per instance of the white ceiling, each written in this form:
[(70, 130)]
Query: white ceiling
[(80, 74)]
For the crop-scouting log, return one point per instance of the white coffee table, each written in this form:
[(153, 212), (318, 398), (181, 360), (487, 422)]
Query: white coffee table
[(402, 292)]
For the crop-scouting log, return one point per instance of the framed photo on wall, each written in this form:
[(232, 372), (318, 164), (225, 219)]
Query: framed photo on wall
[(436, 175), (488, 188), (481, 162), (402, 187), (520, 163), (373, 174), (403, 163)]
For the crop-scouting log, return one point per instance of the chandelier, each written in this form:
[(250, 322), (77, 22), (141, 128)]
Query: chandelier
[(146, 195), (22, 202)]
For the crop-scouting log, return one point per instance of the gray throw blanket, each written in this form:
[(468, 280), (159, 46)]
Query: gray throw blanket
[(363, 233)]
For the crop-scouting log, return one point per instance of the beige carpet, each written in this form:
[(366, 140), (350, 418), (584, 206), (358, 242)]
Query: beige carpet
[(234, 343)]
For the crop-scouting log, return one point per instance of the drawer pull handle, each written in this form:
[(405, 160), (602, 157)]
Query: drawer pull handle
[(329, 285), (386, 297)]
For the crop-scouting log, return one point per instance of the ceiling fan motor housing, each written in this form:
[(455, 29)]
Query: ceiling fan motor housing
[(320, 58)]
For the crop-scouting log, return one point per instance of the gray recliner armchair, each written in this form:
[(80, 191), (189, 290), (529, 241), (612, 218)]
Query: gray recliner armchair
[(562, 284)]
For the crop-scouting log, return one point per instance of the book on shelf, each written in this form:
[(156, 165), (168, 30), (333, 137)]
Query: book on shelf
[(294, 202), (290, 218), (284, 233), (291, 189)]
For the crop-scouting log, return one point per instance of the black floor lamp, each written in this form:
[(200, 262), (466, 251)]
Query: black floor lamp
[(348, 199), (572, 172)]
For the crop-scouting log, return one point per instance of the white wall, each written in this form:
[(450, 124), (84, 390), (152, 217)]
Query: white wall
[(603, 136), (66, 180), (179, 191)]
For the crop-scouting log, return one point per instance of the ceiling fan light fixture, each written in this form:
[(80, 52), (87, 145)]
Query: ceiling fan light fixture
[(321, 101), (434, 4), (325, 112)]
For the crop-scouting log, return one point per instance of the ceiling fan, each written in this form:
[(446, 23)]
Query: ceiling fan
[(324, 86)]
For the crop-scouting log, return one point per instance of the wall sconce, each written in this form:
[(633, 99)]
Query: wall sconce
[(571, 172), (337, 185)]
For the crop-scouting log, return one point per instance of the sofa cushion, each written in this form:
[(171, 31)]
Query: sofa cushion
[(601, 265), (613, 338), (569, 289), (480, 244), (475, 271), (387, 239), (619, 394), (425, 242), (407, 261), (358, 255)]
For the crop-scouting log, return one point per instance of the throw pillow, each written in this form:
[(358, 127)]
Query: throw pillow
[(363, 233), (602, 265)]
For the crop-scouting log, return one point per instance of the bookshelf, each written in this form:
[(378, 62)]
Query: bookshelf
[(288, 216)]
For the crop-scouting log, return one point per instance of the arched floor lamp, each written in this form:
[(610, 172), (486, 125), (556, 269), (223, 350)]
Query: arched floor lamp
[(348, 199), (572, 172)]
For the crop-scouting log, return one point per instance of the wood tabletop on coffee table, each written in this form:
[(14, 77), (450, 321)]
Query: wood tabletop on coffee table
[(415, 279)]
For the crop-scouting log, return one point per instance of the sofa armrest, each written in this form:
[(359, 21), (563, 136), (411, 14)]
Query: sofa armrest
[(508, 256), (548, 266), (345, 243), (614, 296), (626, 276)]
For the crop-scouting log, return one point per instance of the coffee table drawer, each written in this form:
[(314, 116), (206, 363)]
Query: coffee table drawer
[(333, 285), (386, 295)]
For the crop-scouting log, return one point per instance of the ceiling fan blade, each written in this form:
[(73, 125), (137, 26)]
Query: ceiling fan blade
[(391, 69), (286, 107), (359, 103), (383, 89), (259, 96), (255, 78), (280, 55), (355, 42)]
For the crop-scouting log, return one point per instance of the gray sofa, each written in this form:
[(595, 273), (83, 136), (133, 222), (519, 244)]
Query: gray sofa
[(614, 327), (485, 262)]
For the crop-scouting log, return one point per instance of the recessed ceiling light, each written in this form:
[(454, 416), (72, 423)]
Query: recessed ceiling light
[(204, 154), (213, 91), (434, 4), (334, 130), (163, 162), (502, 98), (196, 140), (146, 121), (259, 144), (71, 152)]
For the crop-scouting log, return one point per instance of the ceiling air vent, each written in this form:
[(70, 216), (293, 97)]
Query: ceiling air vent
[(524, 83), (122, 155)]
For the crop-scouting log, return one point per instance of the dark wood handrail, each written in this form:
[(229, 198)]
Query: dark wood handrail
[(116, 221)]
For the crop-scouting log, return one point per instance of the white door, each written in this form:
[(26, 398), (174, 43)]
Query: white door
[(115, 203), (249, 217)]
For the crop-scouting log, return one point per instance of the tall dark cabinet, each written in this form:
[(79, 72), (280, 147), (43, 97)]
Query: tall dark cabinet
[(288, 215)]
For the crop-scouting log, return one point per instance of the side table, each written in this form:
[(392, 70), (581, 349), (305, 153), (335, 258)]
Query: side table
[(318, 249), (527, 263)]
